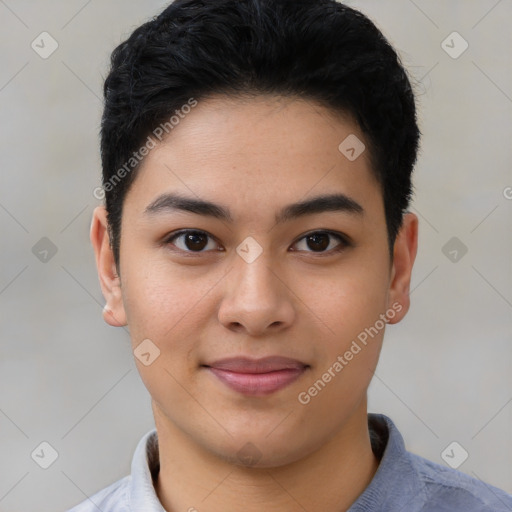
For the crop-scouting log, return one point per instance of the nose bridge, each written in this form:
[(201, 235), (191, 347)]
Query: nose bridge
[(255, 277), (255, 296)]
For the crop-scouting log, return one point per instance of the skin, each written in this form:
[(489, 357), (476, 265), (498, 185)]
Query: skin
[(254, 157)]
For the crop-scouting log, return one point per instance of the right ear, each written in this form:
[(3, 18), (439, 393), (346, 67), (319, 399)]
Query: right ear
[(114, 312)]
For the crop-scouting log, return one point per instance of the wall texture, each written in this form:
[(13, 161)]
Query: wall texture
[(68, 379)]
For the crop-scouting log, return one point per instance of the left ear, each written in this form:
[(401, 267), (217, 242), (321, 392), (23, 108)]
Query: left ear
[(404, 254)]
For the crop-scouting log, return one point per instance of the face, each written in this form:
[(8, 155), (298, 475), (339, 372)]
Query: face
[(239, 268)]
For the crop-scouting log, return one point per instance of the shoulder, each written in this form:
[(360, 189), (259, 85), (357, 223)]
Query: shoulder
[(447, 489), (113, 498), (406, 481)]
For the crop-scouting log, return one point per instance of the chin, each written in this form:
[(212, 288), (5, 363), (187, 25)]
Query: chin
[(261, 450)]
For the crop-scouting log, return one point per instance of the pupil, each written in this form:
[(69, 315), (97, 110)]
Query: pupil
[(320, 242), (195, 241)]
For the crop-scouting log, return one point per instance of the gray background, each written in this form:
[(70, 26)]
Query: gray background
[(69, 379)]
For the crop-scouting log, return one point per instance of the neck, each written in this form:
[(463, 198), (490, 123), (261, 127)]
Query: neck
[(329, 479)]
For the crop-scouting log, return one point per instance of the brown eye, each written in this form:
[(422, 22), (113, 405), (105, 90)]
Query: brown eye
[(318, 242), (190, 241), (322, 242), (195, 241)]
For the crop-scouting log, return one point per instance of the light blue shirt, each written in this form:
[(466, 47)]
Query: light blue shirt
[(404, 482)]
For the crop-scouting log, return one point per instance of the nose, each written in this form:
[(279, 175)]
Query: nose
[(256, 298)]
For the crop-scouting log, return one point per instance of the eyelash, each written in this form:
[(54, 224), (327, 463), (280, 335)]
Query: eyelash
[(344, 242)]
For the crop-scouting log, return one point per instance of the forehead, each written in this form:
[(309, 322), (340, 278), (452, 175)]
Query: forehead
[(259, 152)]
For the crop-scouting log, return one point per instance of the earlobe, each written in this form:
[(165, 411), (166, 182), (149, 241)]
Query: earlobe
[(404, 254), (113, 312)]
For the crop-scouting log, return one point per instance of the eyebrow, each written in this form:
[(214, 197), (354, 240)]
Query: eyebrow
[(166, 203)]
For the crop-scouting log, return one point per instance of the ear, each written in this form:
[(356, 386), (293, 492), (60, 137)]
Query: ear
[(404, 254), (113, 313)]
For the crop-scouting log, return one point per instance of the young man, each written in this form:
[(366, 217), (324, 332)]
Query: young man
[(257, 159)]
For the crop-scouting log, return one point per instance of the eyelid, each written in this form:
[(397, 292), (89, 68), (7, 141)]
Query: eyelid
[(344, 239), (175, 234)]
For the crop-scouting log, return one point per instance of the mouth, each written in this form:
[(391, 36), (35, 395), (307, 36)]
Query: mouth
[(257, 377)]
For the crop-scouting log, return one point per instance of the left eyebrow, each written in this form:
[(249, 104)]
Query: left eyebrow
[(324, 203)]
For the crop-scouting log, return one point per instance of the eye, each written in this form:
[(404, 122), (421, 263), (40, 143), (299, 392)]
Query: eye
[(191, 241), (195, 241), (321, 242)]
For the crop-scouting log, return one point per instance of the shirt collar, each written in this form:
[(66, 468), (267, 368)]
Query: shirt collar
[(396, 476), (145, 467)]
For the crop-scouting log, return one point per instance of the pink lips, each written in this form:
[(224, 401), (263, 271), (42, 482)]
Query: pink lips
[(257, 376)]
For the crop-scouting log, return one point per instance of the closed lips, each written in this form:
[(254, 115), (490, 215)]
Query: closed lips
[(257, 377), (263, 365)]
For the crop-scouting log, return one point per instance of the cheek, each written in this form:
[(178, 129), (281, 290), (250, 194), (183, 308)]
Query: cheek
[(172, 308), (166, 310), (351, 299), (351, 308), (158, 300)]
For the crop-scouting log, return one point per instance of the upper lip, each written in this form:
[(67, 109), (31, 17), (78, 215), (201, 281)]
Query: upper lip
[(263, 365)]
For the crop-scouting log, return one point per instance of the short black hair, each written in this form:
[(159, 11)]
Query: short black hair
[(319, 50)]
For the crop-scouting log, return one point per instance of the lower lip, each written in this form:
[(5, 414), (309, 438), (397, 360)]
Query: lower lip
[(257, 384)]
